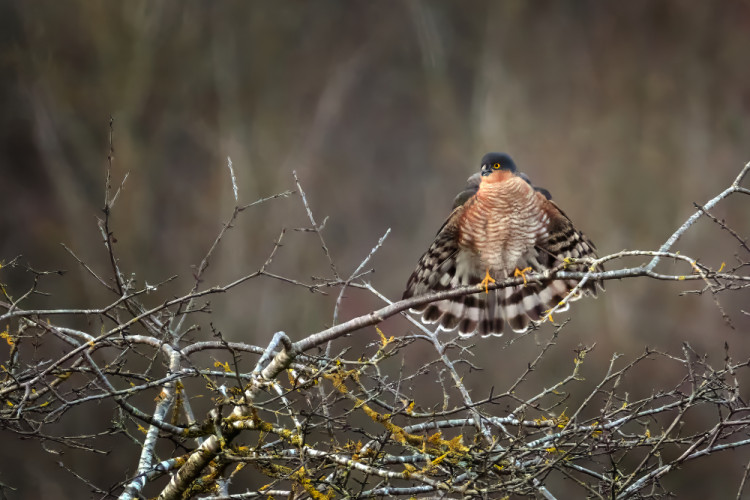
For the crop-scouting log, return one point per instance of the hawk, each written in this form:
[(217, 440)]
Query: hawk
[(501, 226)]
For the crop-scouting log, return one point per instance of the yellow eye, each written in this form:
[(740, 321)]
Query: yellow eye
[(496, 166)]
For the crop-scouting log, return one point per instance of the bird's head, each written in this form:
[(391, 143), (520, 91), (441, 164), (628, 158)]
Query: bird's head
[(497, 162)]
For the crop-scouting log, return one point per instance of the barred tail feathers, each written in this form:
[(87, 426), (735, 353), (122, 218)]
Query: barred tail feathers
[(486, 313)]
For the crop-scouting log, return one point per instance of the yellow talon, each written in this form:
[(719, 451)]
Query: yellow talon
[(486, 281), (522, 273)]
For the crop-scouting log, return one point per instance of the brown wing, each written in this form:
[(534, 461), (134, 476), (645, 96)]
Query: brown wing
[(560, 241), (445, 266)]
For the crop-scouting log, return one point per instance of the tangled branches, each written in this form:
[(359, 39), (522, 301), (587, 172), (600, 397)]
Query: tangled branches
[(316, 423)]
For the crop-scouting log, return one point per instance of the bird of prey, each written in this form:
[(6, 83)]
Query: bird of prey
[(501, 226)]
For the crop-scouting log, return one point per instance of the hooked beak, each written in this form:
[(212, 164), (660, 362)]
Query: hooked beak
[(486, 170)]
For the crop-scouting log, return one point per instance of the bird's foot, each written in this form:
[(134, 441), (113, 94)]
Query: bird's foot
[(522, 273), (486, 282), (548, 316)]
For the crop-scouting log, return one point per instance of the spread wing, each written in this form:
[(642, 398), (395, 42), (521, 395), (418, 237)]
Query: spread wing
[(445, 266), (560, 243)]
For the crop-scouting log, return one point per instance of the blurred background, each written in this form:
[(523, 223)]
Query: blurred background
[(628, 112)]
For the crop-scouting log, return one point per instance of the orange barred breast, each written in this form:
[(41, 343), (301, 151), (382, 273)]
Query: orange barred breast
[(501, 223)]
